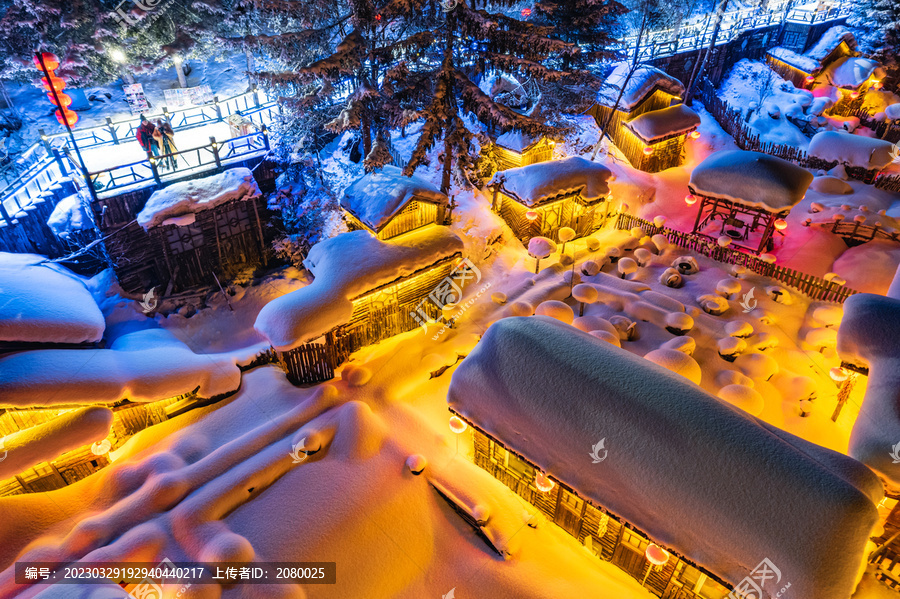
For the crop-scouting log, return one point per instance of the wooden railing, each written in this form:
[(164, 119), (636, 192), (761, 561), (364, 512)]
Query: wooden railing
[(814, 287)]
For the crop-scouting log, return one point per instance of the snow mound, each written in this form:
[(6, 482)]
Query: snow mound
[(806, 64), (851, 72), (665, 122), (642, 83), (42, 304), (345, 267), (831, 186), (744, 397), (377, 197), (518, 386), (555, 309), (678, 362), (829, 41), (69, 215), (751, 178), (536, 183), (190, 197), (851, 150)]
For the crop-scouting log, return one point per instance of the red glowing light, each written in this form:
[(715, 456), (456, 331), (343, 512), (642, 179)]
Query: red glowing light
[(526, 12), (695, 134), (70, 117), (377, 17), (57, 83), (64, 99), (648, 150), (458, 425), (781, 224), (50, 61), (690, 199)]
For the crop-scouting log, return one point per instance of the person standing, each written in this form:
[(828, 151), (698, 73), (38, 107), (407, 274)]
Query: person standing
[(167, 140), (144, 136)]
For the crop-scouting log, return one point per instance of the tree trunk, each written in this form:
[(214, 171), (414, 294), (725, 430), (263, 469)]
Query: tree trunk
[(179, 70), (700, 66), (451, 103)]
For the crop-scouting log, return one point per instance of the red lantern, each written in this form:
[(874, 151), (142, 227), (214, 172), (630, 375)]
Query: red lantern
[(526, 12), (64, 99), (377, 17), (543, 483), (648, 150), (695, 134), (810, 79), (690, 199), (50, 61), (531, 215), (56, 83), (780, 224), (458, 425), (854, 94), (656, 555), (70, 117)]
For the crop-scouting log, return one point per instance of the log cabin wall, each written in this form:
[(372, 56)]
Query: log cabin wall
[(604, 534), (567, 211), (418, 213)]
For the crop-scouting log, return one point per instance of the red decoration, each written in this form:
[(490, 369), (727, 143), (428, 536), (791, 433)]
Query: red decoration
[(50, 61), (57, 83), (71, 117), (377, 17), (648, 150), (64, 99), (526, 12)]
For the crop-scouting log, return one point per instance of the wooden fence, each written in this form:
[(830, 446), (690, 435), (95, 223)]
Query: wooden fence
[(814, 287)]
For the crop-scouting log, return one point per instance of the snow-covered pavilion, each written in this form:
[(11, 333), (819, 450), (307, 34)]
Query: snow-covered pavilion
[(750, 193), (387, 204), (676, 487)]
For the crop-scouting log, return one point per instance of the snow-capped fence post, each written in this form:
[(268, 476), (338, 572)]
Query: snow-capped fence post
[(217, 108), (215, 151), (112, 131), (45, 140), (255, 91), (155, 171)]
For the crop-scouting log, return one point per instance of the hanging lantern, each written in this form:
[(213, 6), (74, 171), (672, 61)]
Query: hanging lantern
[(877, 85), (531, 215), (854, 94), (101, 447), (56, 83), (543, 483), (377, 17), (656, 555), (690, 199), (838, 374), (65, 100), (526, 12), (50, 61), (780, 224), (66, 116), (695, 134), (810, 79), (458, 425), (648, 150)]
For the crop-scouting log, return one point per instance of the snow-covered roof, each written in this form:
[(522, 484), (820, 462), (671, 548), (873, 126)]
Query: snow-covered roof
[(850, 72), (665, 122), (848, 149), (517, 141), (378, 196), (190, 197), (70, 214), (534, 184), (642, 83), (799, 61), (829, 41), (751, 178), (43, 304), (550, 393), (345, 267)]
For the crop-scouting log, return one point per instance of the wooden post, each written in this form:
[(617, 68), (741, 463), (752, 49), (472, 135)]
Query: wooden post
[(844, 394), (255, 92), (44, 140), (262, 245), (217, 108), (155, 170), (265, 134), (215, 149), (112, 131)]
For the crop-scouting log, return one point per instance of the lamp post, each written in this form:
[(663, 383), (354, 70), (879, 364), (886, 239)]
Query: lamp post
[(41, 58), (119, 57)]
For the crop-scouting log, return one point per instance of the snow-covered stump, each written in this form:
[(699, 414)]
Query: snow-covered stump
[(540, 248), (585, 294)]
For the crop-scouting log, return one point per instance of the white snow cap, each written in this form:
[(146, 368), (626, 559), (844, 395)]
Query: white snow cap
[(549, 392), (345, 267), (848, 149), (377, 197), (190, 197), (665, 122), (535, 184), (851, 72), (45, 304), (829, 41), (799, 61), (69, 215), (517, 141), (752, 179), (641, 84)]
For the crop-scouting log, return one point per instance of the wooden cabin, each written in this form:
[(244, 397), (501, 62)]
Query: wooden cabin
[(657, 138), (540, 199), (863, 158), (648, 93), (514, 149), (365, 290), (802, 69), (388, 204), (193, 233), (745, 196), (579, 429)]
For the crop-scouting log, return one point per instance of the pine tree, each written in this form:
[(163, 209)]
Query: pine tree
[(590, 25), (881, 19), (475, 42)]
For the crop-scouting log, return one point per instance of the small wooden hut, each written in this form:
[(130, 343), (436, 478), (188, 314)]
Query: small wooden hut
[(803, 69), (387, 204), (862, 157), (365, 290), (199, 232), (516, 148), (554, 414), (745, 196), (648, 93), (657, 137), (539, 199)]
